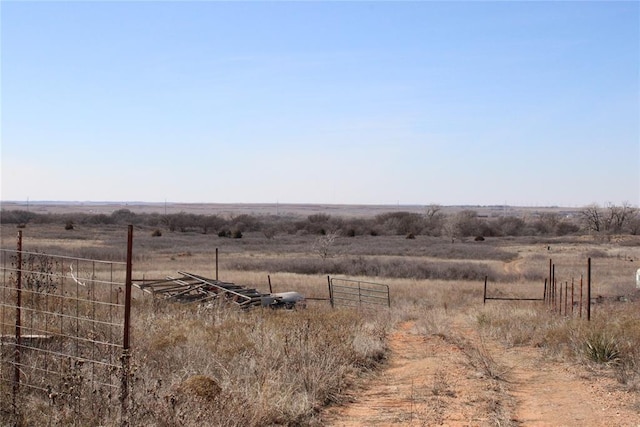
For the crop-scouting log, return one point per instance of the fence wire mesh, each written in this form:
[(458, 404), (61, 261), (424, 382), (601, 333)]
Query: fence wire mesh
[(357, 293), (61, 333)]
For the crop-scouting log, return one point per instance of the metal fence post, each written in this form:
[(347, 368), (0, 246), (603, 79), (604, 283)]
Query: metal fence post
[(484, 297), (550, 281), (553, 286), (572, 298), (124, 385), (18, 337), (588, 289), (560, 301), (580, 297)]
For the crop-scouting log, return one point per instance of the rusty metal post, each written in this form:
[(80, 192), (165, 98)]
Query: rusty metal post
[(269, 280), (124, 385), (330, 291), (127, 284), (580, 296), (560, 301), (484, 297), (544, 294), (550, 281), (566, 296), (18, 337), (572, 299), (589, 289), (553, 285), (216, 263)]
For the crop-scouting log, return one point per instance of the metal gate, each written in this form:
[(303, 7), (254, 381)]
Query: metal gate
[(64, 337), (356, 293)]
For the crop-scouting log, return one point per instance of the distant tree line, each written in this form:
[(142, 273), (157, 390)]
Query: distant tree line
[(593, 219)]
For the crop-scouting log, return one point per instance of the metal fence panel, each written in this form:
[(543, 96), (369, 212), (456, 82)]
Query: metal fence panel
[(357, 293), (62, 334)]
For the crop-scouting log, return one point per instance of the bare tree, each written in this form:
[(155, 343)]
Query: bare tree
[(434, 220), (620, 216), (466, 223), (322, 245), (634, 224), (613, 219), (592, 218), (547, 222), (432, 210), (450, 229)]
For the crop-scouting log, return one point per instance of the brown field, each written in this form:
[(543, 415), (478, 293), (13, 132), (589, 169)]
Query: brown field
[(438, 356), (267, 208)]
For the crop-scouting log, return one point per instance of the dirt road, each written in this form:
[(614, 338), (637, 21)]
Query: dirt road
[(466, 380)]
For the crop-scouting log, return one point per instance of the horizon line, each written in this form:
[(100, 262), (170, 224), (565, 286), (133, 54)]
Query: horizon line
[(139, 202)]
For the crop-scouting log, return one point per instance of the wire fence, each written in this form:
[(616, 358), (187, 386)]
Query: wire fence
[(569, 299), (560, 297), (63, 336), (356, 293)]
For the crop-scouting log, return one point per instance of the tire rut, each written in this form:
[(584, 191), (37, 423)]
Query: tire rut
[(468, 379)]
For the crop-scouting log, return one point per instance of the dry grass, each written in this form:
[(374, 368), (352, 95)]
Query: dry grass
[(611, 338), (195, 365), (259, 368)]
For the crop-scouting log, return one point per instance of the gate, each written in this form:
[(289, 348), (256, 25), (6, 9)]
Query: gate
[(356, 293), (63, 337)]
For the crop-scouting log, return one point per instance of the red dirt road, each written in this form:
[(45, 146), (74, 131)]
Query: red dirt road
[(435, 380)]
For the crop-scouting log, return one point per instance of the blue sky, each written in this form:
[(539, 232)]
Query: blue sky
[(454, 103)]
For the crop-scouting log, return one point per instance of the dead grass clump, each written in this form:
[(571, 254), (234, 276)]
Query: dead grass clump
[(513, 325), (442, 385), (610, 339), (434, 321), (262, 367), (480, 358), (200, 386), (389, 267)]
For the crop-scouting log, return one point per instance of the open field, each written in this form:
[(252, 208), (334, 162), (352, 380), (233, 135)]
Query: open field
[(268, 208), (438, 356)]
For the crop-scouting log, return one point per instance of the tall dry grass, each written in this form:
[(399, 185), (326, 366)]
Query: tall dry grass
[(195, 365), (264, 367), (610, 340)]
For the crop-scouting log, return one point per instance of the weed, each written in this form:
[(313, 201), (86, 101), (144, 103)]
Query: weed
[(602, 348), (480, 358), (441, 385)]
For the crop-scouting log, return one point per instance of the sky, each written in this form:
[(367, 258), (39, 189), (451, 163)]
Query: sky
[(450, 103)]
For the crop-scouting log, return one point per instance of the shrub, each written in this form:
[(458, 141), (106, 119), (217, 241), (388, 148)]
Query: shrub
[(156, 233), (401, 222), (602, 348), (237, 234), (68, 225), (16, 216), (248, 369)]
